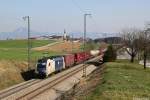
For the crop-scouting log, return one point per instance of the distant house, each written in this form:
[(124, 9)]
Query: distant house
[(39, 38), (46, 37), (56, 37), (33, 38)]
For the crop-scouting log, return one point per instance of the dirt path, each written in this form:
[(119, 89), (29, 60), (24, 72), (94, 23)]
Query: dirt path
[(63, 46), (86, 86), (46, 47)]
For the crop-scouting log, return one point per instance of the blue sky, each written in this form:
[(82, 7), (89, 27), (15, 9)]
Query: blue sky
[(55, 15)]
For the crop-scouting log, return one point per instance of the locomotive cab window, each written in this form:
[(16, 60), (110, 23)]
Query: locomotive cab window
[(42, 63)]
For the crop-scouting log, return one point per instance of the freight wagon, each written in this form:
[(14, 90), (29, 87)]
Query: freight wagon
[(79, 57), (69, 60), (95, 52), (87, 55)]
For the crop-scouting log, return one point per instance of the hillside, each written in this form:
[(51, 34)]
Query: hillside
[(60, 47)]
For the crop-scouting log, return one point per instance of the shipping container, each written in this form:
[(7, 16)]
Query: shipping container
[(79, 57), (87, 55), (95, 52), (69, 60)]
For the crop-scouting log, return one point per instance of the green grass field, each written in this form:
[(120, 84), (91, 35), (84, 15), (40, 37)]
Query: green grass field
[(17, 49), (123, 81), (23, 43)]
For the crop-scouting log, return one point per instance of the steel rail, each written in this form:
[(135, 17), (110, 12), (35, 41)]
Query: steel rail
[(17, 88)]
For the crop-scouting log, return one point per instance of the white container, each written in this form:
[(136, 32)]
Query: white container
[(94, 52)]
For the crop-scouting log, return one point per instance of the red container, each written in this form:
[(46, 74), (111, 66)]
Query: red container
[(87, 55), (69, 60), (79, 57)]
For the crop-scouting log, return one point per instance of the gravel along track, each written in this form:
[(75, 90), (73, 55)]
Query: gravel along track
[(7, 92), (29, 92)]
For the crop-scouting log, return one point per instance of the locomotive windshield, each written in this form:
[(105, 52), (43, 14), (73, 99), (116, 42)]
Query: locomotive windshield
[(42, 63)]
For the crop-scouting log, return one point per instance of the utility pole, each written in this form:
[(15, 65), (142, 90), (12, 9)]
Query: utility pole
[(84, 41), (72, 42), (29, 44)]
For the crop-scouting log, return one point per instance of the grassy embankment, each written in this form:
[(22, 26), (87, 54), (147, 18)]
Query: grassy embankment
[(123, 81)]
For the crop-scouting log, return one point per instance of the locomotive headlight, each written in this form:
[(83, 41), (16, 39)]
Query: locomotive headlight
[(43, 64)]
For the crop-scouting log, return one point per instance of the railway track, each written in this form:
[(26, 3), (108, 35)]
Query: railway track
[(17, 88), (49, 85), (33, 88)]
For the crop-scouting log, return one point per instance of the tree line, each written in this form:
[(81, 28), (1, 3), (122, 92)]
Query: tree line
[(137, 41)]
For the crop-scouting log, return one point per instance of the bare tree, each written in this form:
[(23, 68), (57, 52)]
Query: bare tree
[(144, 41), (130, 40)]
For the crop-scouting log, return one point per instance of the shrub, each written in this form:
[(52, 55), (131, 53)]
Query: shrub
[(110, 54)]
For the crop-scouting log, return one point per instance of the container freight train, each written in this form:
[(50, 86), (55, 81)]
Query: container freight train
[(49, 65)]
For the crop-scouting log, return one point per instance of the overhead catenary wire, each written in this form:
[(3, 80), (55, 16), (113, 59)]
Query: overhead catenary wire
[(83, 11), (78, 6)]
